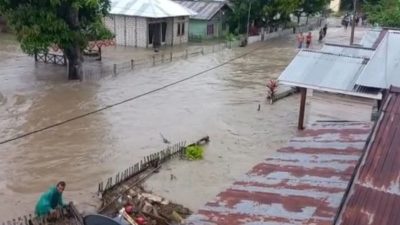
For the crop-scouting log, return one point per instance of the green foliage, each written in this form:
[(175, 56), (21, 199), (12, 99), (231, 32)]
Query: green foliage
[(385, 13), (230, 37), (194, 152), (272, 13), (40, 23)]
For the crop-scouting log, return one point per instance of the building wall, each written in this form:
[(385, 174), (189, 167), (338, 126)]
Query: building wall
[(128, 30), (185, 37), (327, 106), (141, 32), (133, 31), (335, 5), (198, 28)]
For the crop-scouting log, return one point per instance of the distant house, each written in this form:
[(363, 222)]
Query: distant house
[(148, 23), (335, 5), (210, 20)]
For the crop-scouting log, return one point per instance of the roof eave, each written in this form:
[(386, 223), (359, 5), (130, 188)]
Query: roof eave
[(331, 90)]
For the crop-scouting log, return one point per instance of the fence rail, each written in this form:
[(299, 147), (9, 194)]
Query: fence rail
[(95, 72), (51, 58), (152, 160), (91, 72)]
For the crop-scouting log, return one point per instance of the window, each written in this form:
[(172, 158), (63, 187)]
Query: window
[(163, 31), (210, 29), (181, 29)]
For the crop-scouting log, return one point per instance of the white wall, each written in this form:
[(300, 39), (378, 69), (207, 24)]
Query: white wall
[(335, 5), (132, 31), (181, 39), (128, 30)]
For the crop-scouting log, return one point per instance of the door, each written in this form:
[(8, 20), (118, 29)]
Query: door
[(157, 33)]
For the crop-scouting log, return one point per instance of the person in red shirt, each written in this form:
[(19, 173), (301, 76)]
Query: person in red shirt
[(308, 39), (300, 40)]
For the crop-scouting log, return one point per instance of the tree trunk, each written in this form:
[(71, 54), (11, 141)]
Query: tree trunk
[(73, 50), (307, 19), (298, 19), (74, 62)]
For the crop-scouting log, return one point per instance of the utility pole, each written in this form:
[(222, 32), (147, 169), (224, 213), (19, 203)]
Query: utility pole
[(353, 25), (248, 21)]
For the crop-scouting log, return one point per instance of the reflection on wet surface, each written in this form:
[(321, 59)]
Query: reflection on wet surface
[(221, 103)]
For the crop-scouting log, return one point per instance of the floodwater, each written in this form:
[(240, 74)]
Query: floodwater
[(221, 103)]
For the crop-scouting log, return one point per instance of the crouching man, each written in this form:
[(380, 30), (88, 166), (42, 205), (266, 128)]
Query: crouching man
[(50, 201)]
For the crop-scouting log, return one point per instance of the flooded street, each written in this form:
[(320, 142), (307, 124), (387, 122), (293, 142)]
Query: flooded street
[(221, 103)]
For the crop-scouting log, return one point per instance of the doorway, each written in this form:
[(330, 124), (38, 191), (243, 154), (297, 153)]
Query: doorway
[(157, 33)]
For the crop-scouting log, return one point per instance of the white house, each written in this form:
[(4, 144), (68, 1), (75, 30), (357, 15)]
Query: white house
[(148, 23)]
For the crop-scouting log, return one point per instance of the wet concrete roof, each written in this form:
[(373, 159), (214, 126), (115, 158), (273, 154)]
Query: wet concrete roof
[(374, 198), (304, 183)]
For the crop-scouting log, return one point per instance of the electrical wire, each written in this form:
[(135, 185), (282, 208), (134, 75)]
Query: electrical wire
[(124, 101)]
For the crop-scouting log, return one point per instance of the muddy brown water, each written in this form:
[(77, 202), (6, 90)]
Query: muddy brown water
[(221, 103)]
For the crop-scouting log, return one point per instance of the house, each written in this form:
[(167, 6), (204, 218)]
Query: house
[(335, 5), (375, 194), (148, 23), (328, 78), (346, 82), (210, 20)]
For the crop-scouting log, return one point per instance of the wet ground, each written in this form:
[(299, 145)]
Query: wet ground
[(221, 103)]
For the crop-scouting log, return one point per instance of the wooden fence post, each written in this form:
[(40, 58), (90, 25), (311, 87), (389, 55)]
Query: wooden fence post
[(154, 60), (187, 53), (170, 56), (132, 64), (115, 69)]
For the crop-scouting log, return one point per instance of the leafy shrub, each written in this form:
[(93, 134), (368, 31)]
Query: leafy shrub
[(194, 152)]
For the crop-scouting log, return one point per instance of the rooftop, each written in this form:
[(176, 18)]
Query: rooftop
[(374, 197), (304, 183), (206, 10), (334, 69), (361, 70), (148, 8), (382, 69)]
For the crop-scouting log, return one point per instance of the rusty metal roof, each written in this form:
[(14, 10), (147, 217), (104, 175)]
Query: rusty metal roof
[(374, 197), (303, 183)]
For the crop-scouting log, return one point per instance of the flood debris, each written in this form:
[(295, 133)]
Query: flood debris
[(138, 207)]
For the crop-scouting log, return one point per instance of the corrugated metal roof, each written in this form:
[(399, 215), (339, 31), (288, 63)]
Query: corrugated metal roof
[(382, 71), (375, 195), (348, 50), (325, 71), (205, 10), (303, 183), (148, 8), (370, 38)]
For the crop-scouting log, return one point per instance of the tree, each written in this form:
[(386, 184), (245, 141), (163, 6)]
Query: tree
[(70, 24), (385, 13), (310, 8), (263, 12), (278, 11)]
